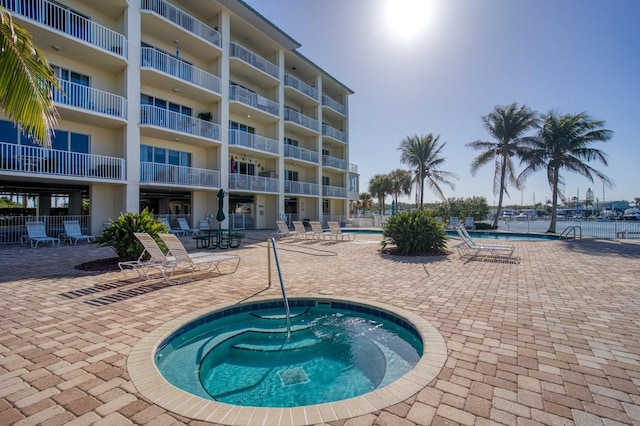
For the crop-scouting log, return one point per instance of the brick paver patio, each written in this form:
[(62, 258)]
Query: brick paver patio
[(553, 340)]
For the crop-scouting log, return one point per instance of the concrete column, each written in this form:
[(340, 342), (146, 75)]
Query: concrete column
[(131, 195)]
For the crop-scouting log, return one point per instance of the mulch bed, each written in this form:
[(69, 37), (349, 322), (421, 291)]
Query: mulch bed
[(100, 265)]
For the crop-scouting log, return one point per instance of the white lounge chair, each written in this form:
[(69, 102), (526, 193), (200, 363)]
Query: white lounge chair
[(469, 222), (453, 223), (195, 261), (184, 226), (283, 230), (165, 222), (317, 232), (471, 249), (204, 225), (74, 234), (151, 258), (301, 231), (36, 233), (336, 232)]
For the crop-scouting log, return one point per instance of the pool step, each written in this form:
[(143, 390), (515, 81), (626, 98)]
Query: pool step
[(279, 315), (278, 346)]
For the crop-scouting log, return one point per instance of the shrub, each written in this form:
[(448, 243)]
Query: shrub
[(119, 234), (415, 233)]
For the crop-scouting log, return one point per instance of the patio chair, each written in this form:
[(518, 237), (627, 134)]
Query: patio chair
[(453, 223), (301, 231), (184, 226), (283, 230), (469, 222), (36, 233), (317, 231), (195, 261), (204, 225), (471, 249), (74, 234), (165, 222), (336, 232), (152, 258)]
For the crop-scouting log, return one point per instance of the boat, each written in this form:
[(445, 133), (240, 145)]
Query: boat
[(521, 216), (631, 214)]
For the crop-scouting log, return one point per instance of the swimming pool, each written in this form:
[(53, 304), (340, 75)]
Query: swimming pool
[(490, 235)]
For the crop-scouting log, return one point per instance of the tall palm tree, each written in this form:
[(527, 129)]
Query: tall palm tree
[(423, 154), (401, 183), (26, 81), (564, 142), (364, 201), (507, 125), (379, 187)]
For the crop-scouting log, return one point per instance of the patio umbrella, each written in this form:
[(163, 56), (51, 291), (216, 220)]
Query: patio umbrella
[(393, 208), (220, 216)]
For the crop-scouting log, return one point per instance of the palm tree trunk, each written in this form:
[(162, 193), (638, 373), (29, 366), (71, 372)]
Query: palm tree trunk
[(554, 203), (500, 197)]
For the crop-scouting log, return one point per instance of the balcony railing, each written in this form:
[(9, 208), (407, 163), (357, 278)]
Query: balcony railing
[(334, 133), (336, 163), (237, 137), (334, 105), (52, 15), (253, 59), (247, 97), (45, 161), (334, 191), (292, 151), (252, 183), (90, 99), (301, 119), (182, 19), (152, 58), (171, 120), (300, 86), (353, 168), (303, 188), (178, 175)]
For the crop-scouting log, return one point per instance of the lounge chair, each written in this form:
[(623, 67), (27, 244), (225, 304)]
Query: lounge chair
[(151, 258), (453, 223), (301, 231), (317, 232), (283, 230), (74, 234), (471, 249), (336, 232), (195, 261), (165, 222), (36, 233), (184, 226), (469, 222), (204, 225)]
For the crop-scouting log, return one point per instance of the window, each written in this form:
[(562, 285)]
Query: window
[(291, 175), (325, 181), (326, 152), (154, 154), (73, 86), (243, 168), (163, 104), (289, 141)]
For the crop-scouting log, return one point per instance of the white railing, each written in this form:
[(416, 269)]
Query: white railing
[(300, 86), (253, 59), (241, 221), (152, 58), (183, 20), (178, 175), (301, 119), (353, 168), (90, 99), (37, 160), (166, 119), (238, 137), (334, 105), (292, 151), (334, 133), (247, 97), (304, 188), (336, 163), (52, 15), (334, 191), (252, 183), (13, 229)]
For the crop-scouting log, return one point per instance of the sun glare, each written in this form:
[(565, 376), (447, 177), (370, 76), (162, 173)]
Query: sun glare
[(408, 18)]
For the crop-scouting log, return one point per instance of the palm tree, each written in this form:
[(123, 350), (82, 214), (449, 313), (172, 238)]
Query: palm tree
[(423, 153), (26, 81), (564, 141), (364, 201), (507, 125), (401, 183), (379, 187)]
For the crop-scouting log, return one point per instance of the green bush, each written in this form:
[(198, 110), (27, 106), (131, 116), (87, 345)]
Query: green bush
[(415, 233), (119, 234)]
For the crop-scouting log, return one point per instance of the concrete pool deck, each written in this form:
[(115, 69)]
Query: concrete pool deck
[(554, 339)]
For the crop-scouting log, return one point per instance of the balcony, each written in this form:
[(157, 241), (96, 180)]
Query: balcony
[(52, 162), (110, 109), (257, 103), (168, 174), (334, 162), (300, 86), (249, 140), (334, 191), (178, 124), (173, 68), (293, 116), (334, 105), (334, 133), (194, 35), (67, 32), (252, 183), (257, 68), (301, 188), (294, 152)]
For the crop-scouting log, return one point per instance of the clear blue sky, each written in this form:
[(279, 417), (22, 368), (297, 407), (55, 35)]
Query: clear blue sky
[(466, 57)]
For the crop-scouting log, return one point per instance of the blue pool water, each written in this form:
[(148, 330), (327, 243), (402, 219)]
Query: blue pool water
[(242, 355), (523, 236)]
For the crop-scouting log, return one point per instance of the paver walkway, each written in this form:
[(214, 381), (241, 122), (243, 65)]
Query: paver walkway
[(553, 340)]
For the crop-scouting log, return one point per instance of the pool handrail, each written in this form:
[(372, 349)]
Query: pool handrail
[(272, 242)]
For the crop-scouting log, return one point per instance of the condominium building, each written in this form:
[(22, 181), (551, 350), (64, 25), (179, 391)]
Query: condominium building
[(164, 103)]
